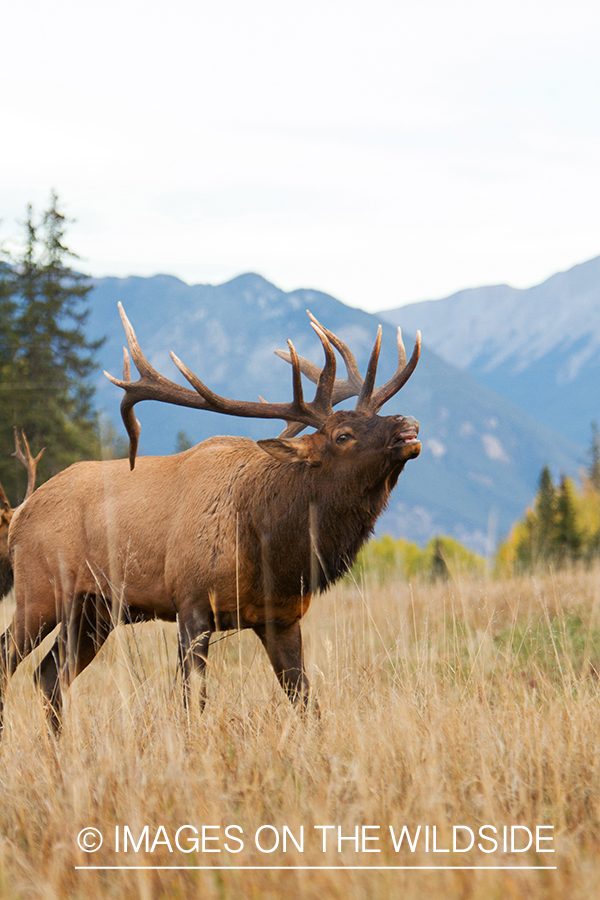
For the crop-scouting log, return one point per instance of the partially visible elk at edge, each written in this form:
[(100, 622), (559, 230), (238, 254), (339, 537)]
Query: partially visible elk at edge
[(229, 534), (7, 512)]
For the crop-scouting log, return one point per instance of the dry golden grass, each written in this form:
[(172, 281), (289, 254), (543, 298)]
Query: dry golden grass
[(461, 704)]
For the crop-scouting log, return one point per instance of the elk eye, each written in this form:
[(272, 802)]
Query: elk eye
[(343, 438)]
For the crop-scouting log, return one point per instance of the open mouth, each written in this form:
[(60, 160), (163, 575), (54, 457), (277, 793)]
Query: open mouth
[(408, 436)]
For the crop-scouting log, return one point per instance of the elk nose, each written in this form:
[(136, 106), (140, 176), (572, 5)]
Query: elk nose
[(407, 430), (407, 422)]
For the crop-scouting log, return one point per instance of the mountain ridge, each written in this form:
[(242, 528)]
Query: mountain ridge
[(538, 347), (481, 457)]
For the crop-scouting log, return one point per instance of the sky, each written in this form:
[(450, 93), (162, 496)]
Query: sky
[(384, 152)]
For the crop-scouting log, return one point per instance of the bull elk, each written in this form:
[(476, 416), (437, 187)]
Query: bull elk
[(30, 463), (229, 534)]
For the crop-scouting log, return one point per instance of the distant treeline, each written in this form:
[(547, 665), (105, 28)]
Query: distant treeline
[(563, 524), (385, 558)]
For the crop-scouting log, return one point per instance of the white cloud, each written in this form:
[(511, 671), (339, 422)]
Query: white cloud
[(437, 448), (494, 449)]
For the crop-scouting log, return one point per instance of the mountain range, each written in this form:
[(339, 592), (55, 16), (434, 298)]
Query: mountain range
[(481, 456), (539, 348)]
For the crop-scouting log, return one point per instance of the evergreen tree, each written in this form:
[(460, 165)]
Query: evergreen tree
[(8, 340), (45, 380), (567, 537), (544, 529), (534, 538)]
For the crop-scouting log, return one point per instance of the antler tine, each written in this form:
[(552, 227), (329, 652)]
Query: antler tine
[(151, 385), (28, 461), (354, 376), (342, 388), (401, 349), (298, 411), (263, 410), (293, 428), (366, 393), (353, 385), (126, 365), (326, 381), (312, 372), (142, 364), (298, 394), (5, 501), (403, 373), (321, 406)]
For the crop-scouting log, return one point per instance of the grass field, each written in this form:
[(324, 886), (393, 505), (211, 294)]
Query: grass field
[(454, 706)]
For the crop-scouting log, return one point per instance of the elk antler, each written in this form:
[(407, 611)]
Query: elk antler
[(342, 389), (28, 461), (153, 386), (354, 385)]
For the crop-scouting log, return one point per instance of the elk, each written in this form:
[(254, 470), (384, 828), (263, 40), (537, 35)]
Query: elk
[(229, 534), (30, 463)]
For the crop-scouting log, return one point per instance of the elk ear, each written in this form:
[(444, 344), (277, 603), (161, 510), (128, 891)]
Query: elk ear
[(303, 449)]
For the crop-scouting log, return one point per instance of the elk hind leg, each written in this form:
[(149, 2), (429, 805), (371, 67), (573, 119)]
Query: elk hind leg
[(20, 638), (78, 641)]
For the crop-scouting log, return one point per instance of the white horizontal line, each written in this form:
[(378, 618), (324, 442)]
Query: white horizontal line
[(312, 868)]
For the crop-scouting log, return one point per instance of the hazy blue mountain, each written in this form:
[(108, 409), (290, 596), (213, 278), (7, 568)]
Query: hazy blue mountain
[(538, 348), (481, 456)]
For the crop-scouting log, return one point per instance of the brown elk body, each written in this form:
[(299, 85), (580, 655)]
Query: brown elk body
[(229, 534)]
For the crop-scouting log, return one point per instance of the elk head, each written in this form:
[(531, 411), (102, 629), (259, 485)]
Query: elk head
[(29, 461), (339, 435), (7, 511)]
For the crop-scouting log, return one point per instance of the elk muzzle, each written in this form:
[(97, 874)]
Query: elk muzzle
[(405, 443)]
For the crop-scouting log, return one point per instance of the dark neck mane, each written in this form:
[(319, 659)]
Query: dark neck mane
[(310, 533)]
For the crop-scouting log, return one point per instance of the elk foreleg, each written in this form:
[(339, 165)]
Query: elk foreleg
[(283, 644), (194, 631), (78, 641)]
